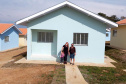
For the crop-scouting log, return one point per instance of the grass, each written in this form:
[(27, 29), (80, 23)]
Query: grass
[(105, 75), (118, 55), (59, 77), (48, 77)]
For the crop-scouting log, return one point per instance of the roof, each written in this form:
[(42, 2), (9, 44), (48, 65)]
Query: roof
[(23, 30), (66, 3), (108, 30), (5, 27), (122, 22)]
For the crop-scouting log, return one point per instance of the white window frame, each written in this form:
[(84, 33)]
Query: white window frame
[(45, 37), (80, 39), (5, 39)]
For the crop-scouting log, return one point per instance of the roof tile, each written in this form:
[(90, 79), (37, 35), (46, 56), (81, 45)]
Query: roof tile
[(23, 30), (4, 27), (122, 21)]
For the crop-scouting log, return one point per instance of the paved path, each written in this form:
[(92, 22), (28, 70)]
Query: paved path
[(73, 75), (107, 62), (124, 70)]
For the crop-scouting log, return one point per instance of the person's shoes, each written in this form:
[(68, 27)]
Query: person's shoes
[(70, 63), (65, 63), (73, 63)]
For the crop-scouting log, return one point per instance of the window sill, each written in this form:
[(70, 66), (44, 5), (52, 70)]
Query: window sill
[(44, 42), (80, 45), (6, 41)]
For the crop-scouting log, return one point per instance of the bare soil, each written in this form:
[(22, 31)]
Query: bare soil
[(12, 73), (11, 54)]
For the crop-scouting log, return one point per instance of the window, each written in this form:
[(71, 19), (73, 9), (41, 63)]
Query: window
[(107, 34), (80, 38), (45, 37), (6, 39), (114, 33)]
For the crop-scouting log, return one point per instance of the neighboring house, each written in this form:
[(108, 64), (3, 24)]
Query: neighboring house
[(108, 35), (118, 35), (9, 36), (50, 29), (23, 37)]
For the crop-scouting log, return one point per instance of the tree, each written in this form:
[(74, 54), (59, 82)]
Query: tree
[(122, 17), (113, 18)]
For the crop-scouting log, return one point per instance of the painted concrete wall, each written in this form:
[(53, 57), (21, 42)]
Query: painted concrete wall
[(0, 42), (22, 40), (13, 39), (44, 48), (120, 39), (68, 21), (109, 36)]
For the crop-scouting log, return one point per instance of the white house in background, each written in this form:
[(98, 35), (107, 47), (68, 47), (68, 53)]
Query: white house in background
[(108, 35)]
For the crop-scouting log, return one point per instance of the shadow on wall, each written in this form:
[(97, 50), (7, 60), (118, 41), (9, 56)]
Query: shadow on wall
[(58, 57)]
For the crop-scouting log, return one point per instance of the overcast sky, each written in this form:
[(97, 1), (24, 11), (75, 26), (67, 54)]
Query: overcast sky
[(13, 10)]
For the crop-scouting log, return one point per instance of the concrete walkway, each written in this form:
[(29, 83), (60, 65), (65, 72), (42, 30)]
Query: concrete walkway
[(107, 62), (73, 75), (24, 60), (124, 70)]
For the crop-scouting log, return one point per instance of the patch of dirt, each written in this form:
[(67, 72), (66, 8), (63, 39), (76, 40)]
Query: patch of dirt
[(11, 54), (117, 54), (12, 73), (28, 75)]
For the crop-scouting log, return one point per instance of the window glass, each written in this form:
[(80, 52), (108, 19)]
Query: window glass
[(45, 37), (106, 34), (74, 38), (6, 39), (114, 33), (80, 38)]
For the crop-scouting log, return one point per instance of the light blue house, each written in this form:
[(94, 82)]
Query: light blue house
[(9, 36), (108, 35), (50, 29)]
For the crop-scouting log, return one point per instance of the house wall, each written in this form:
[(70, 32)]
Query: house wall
[(0, 42), (109, 36), (22, 40), (120, 40), (48, 48), (13, 39), (68, 21)]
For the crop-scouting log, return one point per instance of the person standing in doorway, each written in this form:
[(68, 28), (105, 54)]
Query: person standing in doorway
[(72, 53), (65, 48)]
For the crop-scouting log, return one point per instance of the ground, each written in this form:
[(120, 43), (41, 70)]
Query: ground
[(12, 73), (22, 73), (107, 75)]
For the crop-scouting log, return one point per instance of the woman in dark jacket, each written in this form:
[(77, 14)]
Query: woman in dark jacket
[(72, 53), (65, 48)]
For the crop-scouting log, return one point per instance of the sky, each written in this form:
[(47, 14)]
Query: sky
[(14, 10)]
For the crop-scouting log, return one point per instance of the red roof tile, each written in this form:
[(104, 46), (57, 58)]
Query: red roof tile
[(122, 21), (4, 27), (23, 30)]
